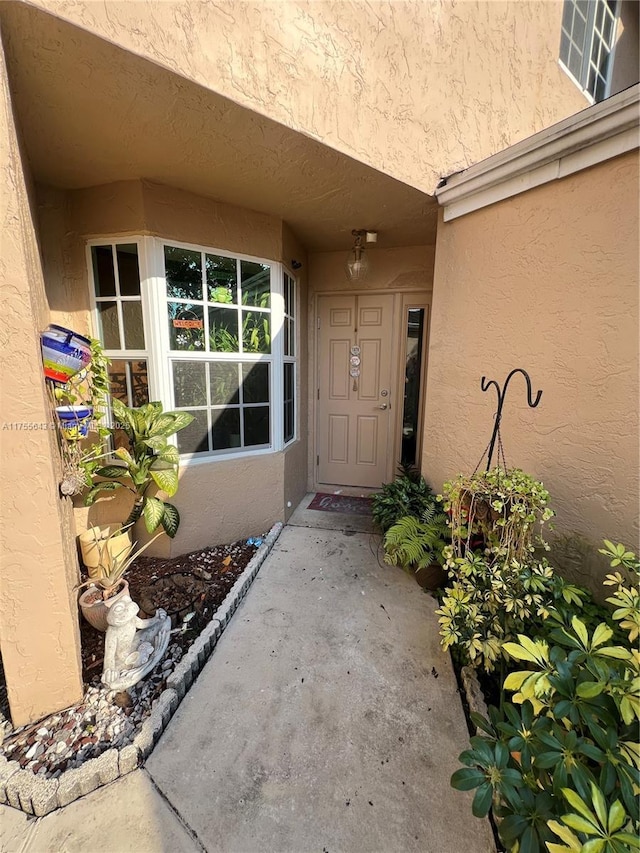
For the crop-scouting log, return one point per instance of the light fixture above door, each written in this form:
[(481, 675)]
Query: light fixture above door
[(357, 264)]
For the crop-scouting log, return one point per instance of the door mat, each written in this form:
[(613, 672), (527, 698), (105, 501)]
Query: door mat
[(341, 503)]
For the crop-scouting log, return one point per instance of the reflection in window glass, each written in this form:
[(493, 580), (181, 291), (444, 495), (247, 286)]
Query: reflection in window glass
[(256, 425), (586, 43), (255, 383), (103, 275), (184, 273), (256, 331), (189, 383), (289, 421), (289, 404), (289, 314), (224, 383), (256, 284), (195, 437), (129, 382), (222, 283), (218, 310), (109, 327), (128, 271), (223, 330), (186, 326), (413, 367), (133, 325), (118, 299), (225, 429)]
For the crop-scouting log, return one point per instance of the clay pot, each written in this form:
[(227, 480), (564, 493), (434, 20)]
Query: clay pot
[(74, 421), (431, 577), (95, 608), (99, 545)]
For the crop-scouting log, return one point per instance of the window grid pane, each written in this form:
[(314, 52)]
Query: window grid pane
[(207, 291), (289, 401), (586, 42), (289, 366), (230, 400), (116, 280)]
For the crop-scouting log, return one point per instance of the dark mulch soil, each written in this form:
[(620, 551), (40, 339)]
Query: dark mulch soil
[(190, 588)]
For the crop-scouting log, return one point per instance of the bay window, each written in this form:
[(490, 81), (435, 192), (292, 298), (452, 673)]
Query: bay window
[(217, 331)]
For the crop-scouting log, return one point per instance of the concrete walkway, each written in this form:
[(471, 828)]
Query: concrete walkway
[(327, 720)]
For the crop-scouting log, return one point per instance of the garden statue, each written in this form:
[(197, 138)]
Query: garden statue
[(132, 646)]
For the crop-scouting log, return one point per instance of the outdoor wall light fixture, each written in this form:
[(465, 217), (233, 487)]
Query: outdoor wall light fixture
[(357, 264)]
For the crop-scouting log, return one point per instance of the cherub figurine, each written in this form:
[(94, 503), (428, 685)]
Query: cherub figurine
[(132, 646)]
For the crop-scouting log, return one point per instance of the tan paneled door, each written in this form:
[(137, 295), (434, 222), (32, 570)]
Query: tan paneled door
[(354, 389)]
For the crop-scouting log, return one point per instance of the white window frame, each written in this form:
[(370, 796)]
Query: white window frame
[(122, 354), (591, 33), (159, 356), (292, 359)]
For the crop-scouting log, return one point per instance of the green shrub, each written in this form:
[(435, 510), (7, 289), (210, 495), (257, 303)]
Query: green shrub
[(563, 761), (486, 604), (497, 583), (408, 494)]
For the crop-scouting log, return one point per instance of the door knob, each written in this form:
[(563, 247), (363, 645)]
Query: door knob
[(383, 406)]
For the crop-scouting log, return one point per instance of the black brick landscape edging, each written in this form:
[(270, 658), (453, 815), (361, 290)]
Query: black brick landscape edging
[(38, 796)]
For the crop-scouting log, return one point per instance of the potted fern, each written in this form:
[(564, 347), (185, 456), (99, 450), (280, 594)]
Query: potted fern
[(418, 544)]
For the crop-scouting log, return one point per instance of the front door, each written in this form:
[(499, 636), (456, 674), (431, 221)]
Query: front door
[(354, 389)]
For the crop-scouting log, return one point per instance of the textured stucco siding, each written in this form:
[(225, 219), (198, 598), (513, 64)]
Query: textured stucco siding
[(38, 616), (415, 89), (546, 281)]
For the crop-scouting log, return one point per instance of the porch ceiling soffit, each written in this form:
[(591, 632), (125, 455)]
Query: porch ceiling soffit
[(92, 113)]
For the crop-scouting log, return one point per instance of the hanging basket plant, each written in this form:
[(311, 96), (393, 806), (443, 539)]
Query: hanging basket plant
[(501, 511)]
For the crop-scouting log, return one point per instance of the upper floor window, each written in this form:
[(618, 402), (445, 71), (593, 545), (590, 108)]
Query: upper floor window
[(204, 332), (586, 44)]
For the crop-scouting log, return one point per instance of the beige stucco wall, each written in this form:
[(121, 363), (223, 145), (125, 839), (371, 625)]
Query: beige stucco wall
[(416, 89), (405, 268), (39, 635), (546, 281)]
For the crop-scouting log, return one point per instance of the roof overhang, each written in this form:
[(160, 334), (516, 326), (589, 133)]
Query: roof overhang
[(592, 136), (91, 113)]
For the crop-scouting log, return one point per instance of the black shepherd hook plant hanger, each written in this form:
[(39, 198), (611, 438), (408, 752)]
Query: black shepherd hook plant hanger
[(486, 384)]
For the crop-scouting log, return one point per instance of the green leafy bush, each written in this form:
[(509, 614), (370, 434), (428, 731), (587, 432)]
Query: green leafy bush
[(563, 761), (149, 460), (497, 584), (408, 494), (486, 604)]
